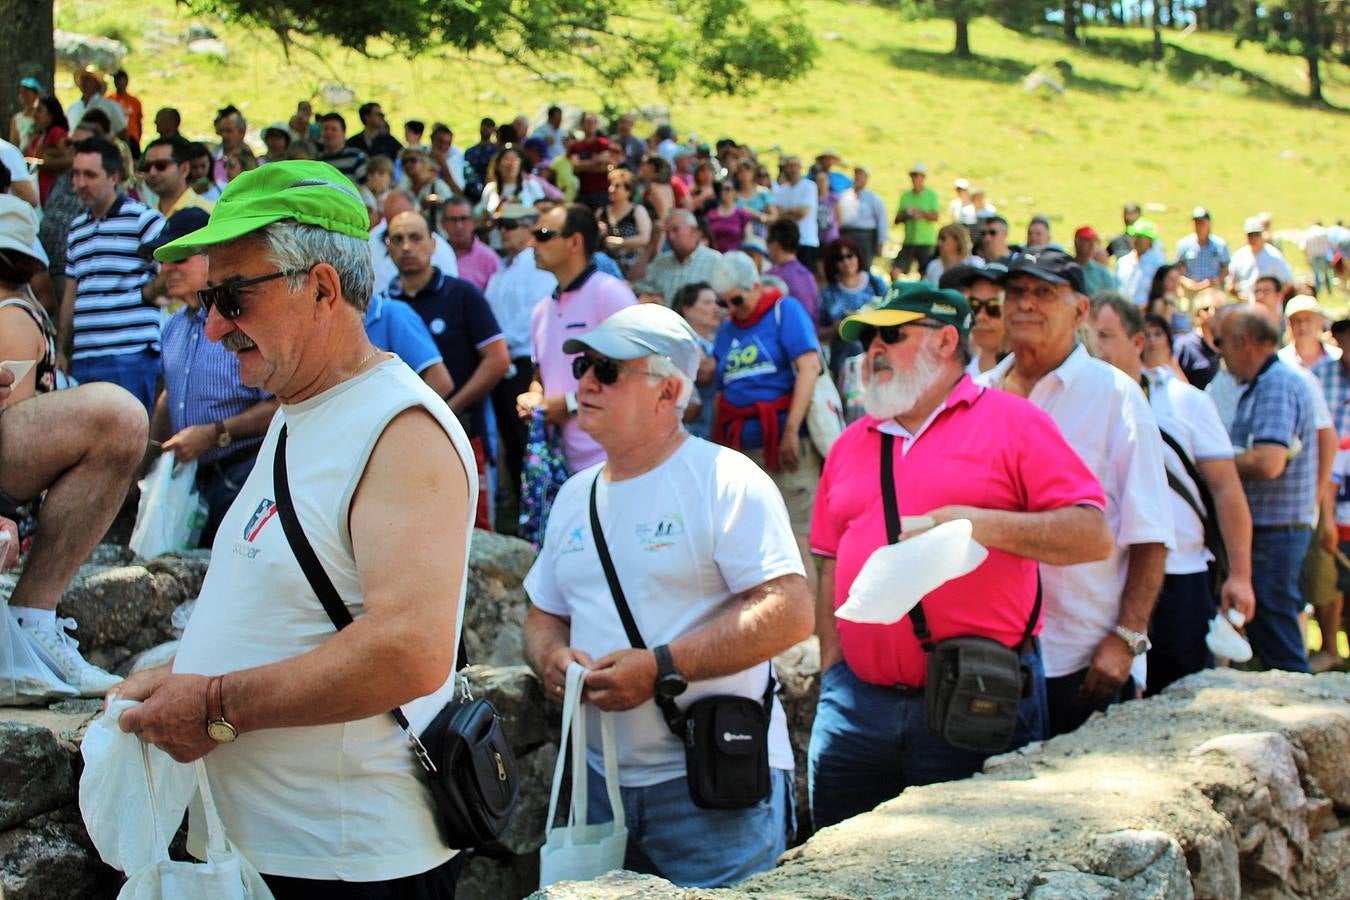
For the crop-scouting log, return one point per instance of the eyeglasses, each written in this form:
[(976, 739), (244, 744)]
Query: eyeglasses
[(993, 307), (224, 297), (509, 225), (891, 334), (456, 218), (607, 370), (544, 235)]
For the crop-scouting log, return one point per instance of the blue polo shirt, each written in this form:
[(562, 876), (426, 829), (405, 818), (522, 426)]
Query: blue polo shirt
[(395, 326), (461, 325), (1272, 409)]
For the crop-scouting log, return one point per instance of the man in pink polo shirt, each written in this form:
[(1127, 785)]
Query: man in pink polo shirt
[(564, 241), (958, 451), (476, 260)]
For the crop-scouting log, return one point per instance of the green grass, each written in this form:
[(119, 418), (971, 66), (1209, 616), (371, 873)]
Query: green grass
[(1214, 125)]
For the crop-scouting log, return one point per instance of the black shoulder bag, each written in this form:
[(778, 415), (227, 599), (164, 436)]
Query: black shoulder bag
[(725, 737), (463, 752), (975, 684)]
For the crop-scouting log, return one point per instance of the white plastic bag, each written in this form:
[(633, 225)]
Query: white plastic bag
[(133, 797), (578, 850), (825, 415), (25, 679), (897, 576), (169, 511)]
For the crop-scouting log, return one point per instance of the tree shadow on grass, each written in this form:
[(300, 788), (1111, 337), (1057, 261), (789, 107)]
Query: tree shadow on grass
[(997, 69), (1183, 65)]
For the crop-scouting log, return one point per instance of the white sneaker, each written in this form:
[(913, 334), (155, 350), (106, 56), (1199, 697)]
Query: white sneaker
[(62, 654)]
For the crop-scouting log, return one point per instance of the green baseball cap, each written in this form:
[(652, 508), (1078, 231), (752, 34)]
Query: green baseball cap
[(310, 192), (1142, 228), (910, 301)]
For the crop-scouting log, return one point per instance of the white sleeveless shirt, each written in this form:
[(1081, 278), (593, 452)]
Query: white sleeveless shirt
[(339, 801)]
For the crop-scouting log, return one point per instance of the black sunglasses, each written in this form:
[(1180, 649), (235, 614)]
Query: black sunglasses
[(993, 307), (890, 334), (722, 303), (544, 235), (607, 370), (224, 297), (158, 165)]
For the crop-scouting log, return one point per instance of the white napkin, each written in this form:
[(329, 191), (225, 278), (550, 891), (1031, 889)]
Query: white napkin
[(897, 576)]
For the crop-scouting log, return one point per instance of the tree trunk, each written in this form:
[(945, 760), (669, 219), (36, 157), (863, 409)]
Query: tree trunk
[(1312, 49), (1071, 21), (26, 36), (1157, 33), (962, 48)]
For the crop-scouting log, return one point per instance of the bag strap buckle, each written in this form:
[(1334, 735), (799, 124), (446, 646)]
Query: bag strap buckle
[(423, 757)]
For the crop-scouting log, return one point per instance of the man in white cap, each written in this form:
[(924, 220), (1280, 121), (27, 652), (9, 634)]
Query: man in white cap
[(703, 554), (1255, 260)]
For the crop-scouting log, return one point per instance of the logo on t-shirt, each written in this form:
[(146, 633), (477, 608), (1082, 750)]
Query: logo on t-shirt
[(747, 360), (265, 512), (575, 542), (660, 534)]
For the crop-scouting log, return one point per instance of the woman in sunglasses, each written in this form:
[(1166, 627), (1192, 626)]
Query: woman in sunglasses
[(848, 287), (988, 337)]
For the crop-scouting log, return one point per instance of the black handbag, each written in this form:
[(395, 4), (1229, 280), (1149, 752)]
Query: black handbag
[(975, 684), (725, 737), (463, 753)]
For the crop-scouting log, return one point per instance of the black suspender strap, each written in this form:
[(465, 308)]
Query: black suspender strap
[(314, 571), (670, 711), (891, 507)]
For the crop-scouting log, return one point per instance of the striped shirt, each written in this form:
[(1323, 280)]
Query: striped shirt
[(101, 255), (350, 162), (201, 379)]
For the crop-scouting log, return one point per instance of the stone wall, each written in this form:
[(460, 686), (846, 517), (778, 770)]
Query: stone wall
[(1227, 785)]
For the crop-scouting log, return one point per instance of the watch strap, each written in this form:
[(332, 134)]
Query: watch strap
[(665, 663), (215, 699)]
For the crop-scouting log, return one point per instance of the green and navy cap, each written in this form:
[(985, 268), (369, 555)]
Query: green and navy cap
[(307, 191), (910, 301)]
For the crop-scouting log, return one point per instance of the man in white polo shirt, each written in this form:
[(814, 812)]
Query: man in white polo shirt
[(797, 198), (706, 560), (1096, 614)]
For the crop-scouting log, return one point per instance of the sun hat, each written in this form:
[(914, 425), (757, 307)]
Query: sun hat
[(306, 191), (18, 226)]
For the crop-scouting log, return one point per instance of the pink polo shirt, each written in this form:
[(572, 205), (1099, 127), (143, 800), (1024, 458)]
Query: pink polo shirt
[(575, 311), (983, 448), (478, 264)]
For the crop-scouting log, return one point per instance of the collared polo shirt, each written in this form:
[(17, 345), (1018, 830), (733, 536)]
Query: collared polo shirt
[(513, 293), (1106, 420), (201, 380), (669, 273), (983, 448), (103, 258), (1202, 261), (461, 325), (478, 264), (574, 310), (394, 326), (1274, 408)]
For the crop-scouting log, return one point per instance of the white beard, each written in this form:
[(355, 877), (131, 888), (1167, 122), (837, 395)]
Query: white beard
[(886, 400)]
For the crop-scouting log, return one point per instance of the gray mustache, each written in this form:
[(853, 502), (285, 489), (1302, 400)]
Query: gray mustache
[(236, 341)]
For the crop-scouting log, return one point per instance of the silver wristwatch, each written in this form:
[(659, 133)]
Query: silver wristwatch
[(1139, 644)]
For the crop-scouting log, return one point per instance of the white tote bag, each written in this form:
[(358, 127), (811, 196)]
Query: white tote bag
[(578, 850), (132, 798)]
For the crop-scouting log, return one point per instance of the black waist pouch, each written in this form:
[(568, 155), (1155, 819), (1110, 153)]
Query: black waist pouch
[(474, 782), (975, 686), (726, 751)]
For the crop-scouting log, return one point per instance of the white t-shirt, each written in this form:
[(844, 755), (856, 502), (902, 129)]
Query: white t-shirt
[(1245, 267), (12, 158), (1190, 418), (803, 193), (687, 538), (345, 800), (1105, 418)]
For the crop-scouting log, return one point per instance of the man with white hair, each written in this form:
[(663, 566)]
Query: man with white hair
[(1096, 613), (928, 430), (688, 261), (702, 570)]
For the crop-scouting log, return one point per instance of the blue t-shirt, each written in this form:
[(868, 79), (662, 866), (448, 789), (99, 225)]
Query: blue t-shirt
[(754, 364), (394, 326)]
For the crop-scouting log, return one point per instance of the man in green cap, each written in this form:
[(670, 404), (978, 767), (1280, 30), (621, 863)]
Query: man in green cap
[(933, 447), (1134, 270), (282, 705)]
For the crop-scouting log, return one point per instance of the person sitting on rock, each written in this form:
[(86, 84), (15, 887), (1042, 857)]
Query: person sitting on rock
[(205, 412), (92, 440), (705, 554), (957, 451)]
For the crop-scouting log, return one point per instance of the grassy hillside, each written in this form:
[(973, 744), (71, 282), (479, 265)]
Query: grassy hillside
[(1214, 125)]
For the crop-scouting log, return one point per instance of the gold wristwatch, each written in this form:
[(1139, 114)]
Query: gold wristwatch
[(223, 437), (217, 729)]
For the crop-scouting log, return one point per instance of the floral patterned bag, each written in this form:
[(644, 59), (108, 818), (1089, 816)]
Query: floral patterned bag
[(544, 472)]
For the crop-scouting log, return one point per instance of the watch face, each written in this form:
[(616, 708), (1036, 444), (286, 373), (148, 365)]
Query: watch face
[(672, 685), (221, 732)]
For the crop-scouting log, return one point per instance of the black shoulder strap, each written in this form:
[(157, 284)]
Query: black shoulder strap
[(670, 711), (309, 561), (892, 510), (1205, 509)]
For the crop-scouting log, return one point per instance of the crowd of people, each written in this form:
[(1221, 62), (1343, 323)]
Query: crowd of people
[(622, 348)]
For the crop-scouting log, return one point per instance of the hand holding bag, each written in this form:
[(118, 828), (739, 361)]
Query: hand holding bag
[(579, 850)]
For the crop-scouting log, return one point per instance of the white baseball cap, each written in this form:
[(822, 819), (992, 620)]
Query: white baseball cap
[(646, 329), (1253, 225), (918, 169)]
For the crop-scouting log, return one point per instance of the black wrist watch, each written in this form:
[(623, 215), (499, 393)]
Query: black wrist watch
[(669, 682)]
